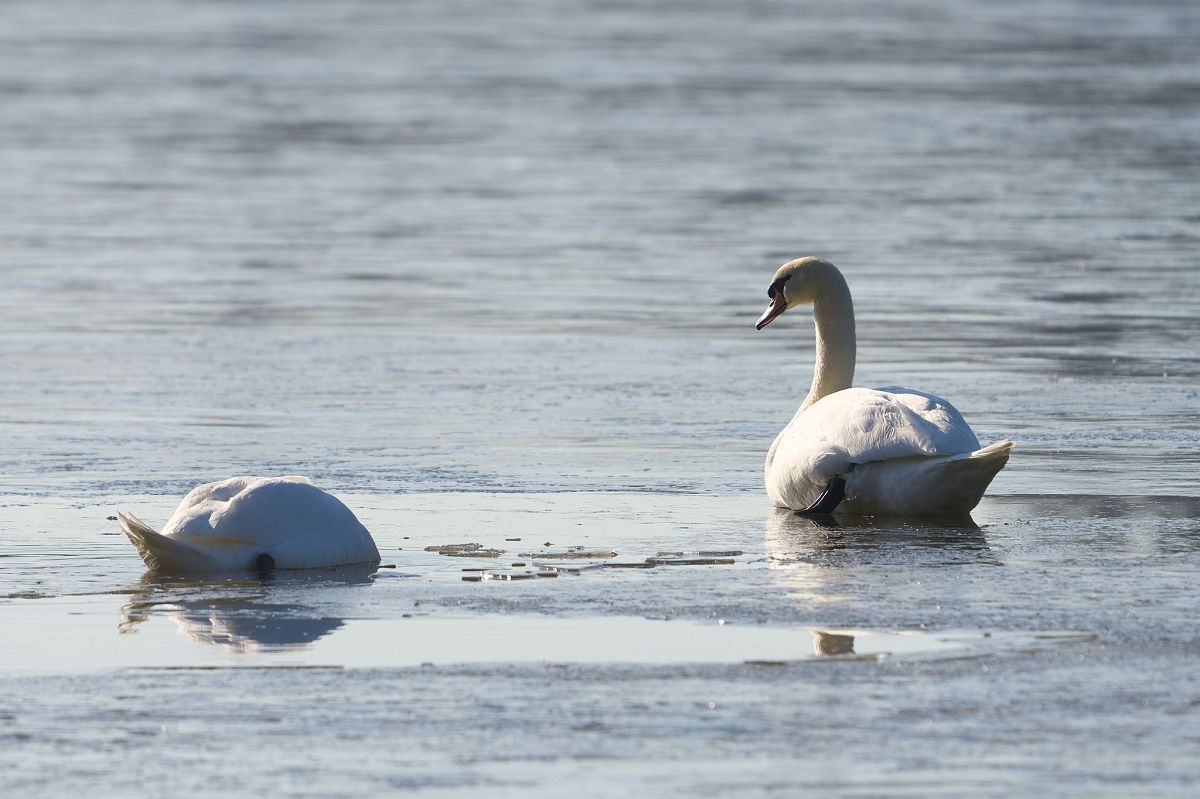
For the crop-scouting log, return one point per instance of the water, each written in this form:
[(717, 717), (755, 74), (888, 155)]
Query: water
[(491, 272), (255, 633)]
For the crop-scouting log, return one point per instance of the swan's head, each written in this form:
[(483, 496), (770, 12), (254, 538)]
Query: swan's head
[(795, 283)]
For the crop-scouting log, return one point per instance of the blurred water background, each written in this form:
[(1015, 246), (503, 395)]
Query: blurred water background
[(418, 246)]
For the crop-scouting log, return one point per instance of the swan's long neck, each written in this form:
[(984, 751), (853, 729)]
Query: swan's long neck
[(833, 312)]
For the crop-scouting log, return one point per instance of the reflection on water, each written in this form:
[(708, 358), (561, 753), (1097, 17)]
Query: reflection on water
[(786, 530), (245, 615), (832, 643), (815, 557), (249, 632), (249, 626)]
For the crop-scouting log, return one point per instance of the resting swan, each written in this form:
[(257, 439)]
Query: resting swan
[(888, 451), (253, 524)]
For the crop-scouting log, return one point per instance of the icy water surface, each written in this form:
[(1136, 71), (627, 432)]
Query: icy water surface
[(490, 273)]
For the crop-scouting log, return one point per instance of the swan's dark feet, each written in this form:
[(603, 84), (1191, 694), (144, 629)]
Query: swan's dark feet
[(265, 565), (831, 497)]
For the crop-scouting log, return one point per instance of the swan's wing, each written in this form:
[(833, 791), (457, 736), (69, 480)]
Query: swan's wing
[(251, 507), (859, 425), (191, 519), (285, 507), (895, 422)]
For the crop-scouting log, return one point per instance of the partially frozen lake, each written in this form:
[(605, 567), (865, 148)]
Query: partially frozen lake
[(489, 273)]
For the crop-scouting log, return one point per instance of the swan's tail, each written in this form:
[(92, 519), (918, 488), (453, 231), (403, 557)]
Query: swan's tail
[(160, 552), (983, 462), (993, 453), (969, 475), (942, 485)]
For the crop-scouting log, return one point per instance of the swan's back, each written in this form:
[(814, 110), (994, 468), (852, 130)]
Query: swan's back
[(887, 423), (857, 425), (230, 523)]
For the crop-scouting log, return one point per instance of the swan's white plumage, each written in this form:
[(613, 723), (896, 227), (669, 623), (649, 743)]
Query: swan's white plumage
[(900, 451), (857, 431), (227, 525)]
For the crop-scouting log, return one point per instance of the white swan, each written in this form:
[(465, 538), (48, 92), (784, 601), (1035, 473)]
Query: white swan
[(867, 451), (253, 523)]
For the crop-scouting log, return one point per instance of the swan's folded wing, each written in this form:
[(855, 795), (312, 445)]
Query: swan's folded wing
[(300, 525), (877, 425)]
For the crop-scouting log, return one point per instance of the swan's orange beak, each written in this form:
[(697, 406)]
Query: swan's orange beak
[(778, 305)]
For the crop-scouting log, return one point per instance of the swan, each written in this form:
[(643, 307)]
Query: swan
[(253, 524), (887, 451)]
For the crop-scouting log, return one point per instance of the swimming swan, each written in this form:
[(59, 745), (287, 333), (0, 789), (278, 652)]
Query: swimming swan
[(866, 451), (253, 524)]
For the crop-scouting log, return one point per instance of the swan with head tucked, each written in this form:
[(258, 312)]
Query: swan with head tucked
[(253, 524), (888, 451)]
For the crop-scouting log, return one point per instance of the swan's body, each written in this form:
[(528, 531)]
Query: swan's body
[(247, 523), (901, 452), (890, 451)]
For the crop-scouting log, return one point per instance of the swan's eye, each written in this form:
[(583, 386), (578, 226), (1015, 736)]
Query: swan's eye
[(777, 286)]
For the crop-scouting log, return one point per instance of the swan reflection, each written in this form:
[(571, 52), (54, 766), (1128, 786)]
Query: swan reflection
[(832, 643), (818, 559), (789, 528), (247, 615)]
